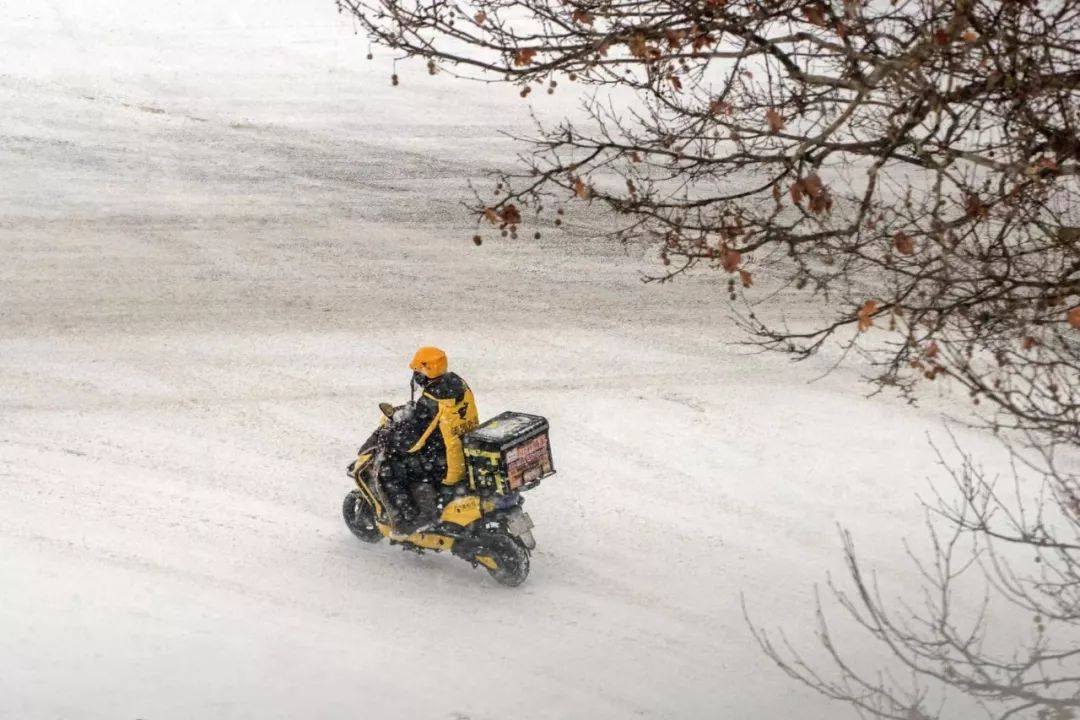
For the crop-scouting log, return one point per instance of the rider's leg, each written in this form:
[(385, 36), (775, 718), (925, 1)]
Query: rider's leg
[(394, 478), (427, 471)]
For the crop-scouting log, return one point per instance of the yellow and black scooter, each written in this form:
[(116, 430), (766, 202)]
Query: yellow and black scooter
[(482, 522)]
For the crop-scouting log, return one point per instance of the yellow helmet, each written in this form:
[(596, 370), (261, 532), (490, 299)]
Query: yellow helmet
[(430, 362)]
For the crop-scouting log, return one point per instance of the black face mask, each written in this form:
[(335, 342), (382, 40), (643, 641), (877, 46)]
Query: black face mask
[(420, 379)]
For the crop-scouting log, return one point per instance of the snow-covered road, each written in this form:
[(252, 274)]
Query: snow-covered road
[(222, 235)]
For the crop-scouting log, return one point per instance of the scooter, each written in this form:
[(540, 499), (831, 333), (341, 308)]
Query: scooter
[(487, 529)]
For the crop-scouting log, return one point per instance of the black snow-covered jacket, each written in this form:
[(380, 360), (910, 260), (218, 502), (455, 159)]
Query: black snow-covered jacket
[(429, 439)]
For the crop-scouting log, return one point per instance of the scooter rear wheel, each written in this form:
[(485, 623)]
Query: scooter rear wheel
[(360, 518), (510, 556)]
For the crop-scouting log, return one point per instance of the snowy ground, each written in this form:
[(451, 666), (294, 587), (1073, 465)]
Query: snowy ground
[(222, 235)]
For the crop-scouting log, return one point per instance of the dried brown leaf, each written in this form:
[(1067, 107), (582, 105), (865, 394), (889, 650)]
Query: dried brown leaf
[(975, 207), (581, 189), (797, 191), (702, 41), (904, 243), (1074, 317), (812, 187), (821, 203), (730, 259), (510, 215), (865, 315), (524, 56), (719, 107), (583, 17), (775, 120), (815, 14)]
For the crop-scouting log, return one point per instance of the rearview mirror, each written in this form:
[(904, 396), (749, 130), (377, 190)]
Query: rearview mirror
[(387, 410)]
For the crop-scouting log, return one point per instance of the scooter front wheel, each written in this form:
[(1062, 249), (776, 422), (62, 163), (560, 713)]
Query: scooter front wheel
[(360, 518)]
